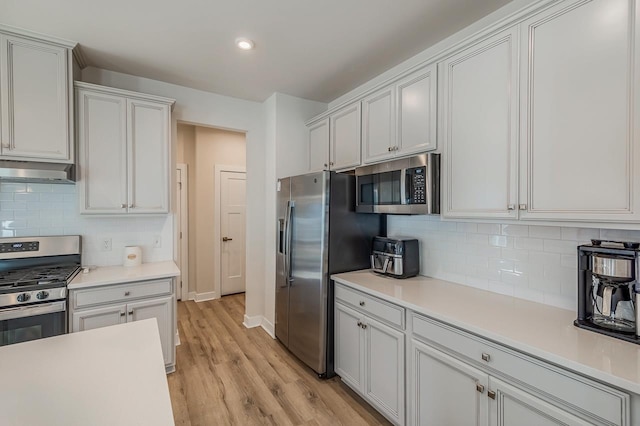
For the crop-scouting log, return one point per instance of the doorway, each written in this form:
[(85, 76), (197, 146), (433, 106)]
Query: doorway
[(203, 150), (230, 213)]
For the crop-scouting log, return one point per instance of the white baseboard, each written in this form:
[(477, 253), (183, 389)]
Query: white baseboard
[(251, 322), (191, 295), (202, 297), (268, 327)]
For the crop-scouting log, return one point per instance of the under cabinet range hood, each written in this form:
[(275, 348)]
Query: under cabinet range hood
[(36, 172)]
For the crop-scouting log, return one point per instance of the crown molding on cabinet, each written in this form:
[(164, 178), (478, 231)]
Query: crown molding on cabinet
[(500, 25), (121, 92), (7, 29)]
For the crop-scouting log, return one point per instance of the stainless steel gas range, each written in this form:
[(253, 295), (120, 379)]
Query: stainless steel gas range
[(34, 273)]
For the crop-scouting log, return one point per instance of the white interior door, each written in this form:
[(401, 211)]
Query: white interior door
[(232, 231)]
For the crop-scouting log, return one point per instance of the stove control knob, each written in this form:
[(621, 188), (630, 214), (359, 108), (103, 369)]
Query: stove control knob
[(42, 295), (24, 297)]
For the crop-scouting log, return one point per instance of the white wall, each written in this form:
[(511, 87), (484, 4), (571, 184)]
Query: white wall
[(209, 109), (45, 209)]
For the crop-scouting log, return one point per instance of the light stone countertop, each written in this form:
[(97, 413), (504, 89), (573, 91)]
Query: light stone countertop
[(539, 330), (106, 376), (105, 275)]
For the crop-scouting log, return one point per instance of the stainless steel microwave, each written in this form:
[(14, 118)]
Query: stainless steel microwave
[(406, 186)]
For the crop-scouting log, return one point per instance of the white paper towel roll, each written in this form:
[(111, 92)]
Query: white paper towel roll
[(132, 256)]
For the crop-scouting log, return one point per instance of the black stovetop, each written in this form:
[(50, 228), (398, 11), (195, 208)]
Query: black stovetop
[(37, 277)]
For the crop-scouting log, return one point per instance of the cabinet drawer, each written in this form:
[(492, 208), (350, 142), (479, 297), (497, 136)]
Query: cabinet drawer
[(555, 384), (384, 311), (121, 292)]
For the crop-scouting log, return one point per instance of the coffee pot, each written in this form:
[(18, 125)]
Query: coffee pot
[(608, 288)]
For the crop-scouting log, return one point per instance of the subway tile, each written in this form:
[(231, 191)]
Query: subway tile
[(543, 258), (6, 196), (528, 294), (512, 254), (529, 243), (580, 234), (65, 189), (488, 228), (467, 227), (620, 235), (6, 214), (480, 239), (514, 278), (481, 283), (50, 197), (13, 205), (515, 230), (561, 246), (39, 187), (569, 261), (548, 232), (13, 187), (501, 265), (26, 196), (477, 261), (521, 268), (14, 224), (501, 241), (559, 301)]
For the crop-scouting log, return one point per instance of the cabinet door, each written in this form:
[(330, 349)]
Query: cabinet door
[(102, 157), (349, 346), (379, 125), (384, 369), (148, 129), (161, 310), (36, 101), (515, 407), (579, 156), (98, 317), (417, 108), (319, 146), (444, 390), (480, 129), (345, 138)]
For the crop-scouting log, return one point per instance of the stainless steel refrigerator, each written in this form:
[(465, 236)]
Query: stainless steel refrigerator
[(319, 234)]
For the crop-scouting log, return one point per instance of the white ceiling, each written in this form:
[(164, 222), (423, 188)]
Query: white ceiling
[(314, 49)]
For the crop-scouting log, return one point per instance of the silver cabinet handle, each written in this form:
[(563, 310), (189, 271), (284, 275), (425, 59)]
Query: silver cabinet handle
[(123, 206), (123, 313), (491, 394), (511, 207), (486, 357), (479, 387), (362, 303), (359, 324), (127, 293), (331, 163), (389, 149), (522, 206), (131, 312), (395, 148), (364, 326), (130, 206)]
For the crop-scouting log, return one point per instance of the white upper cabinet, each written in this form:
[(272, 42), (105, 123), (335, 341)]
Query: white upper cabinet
[(36, 100), (416, 112), (319, 146), (480, 129), (580, 104), (400, 119), (148, 129), (124, 140), (345, 138), (379, 125)]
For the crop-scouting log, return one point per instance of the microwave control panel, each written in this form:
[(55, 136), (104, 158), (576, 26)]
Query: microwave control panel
[(416, 177)]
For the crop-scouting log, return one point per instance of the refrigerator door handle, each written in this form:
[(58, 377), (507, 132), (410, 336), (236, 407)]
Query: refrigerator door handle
[(287, 243)]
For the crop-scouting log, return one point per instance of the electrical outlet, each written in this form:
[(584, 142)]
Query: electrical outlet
[(105, 244), (157, 241)]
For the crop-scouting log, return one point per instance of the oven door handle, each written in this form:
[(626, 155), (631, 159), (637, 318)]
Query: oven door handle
[(32, 310)]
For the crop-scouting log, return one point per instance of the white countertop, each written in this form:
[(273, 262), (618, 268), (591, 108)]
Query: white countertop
[(104, 275), (543, 331), (106, 376)]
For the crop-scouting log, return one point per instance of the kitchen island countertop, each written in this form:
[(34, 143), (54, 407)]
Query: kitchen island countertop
[(105, 275), (539, 330), (106, 376)]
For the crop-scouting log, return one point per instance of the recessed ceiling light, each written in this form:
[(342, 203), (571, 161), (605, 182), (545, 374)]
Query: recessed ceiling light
[(244, 43)]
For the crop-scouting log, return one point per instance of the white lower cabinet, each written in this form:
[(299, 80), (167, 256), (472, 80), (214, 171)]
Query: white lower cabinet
[(461, 379), (369, 357), (108, 305), (444, 390)]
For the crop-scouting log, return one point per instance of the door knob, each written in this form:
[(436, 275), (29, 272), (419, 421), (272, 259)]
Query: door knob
[(227, 239)]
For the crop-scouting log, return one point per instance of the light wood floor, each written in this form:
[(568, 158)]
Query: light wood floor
[(229, 375)]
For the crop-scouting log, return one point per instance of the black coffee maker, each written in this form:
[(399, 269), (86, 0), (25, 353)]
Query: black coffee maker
[(608, 288)]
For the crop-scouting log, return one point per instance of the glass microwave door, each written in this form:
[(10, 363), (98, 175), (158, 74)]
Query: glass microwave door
[(367, 190), (389, 188)]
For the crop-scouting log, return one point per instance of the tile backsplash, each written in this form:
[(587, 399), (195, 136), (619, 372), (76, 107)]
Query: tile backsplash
[(46, 209), (531, 262)]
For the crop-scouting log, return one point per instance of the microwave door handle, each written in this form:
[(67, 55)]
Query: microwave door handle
[(405, 192)]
